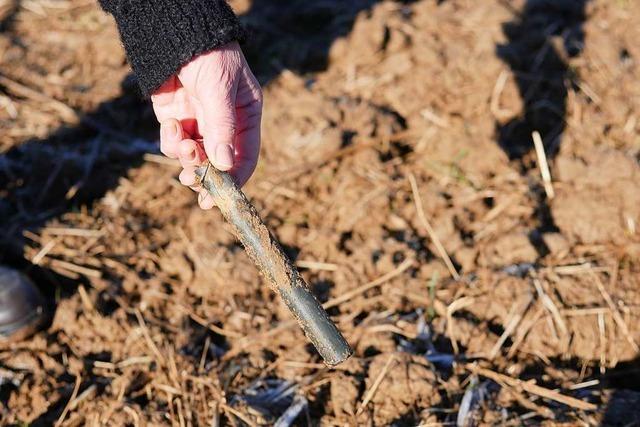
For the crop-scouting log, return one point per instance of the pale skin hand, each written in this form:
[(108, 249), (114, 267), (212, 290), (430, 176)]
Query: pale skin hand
[(211, 109)]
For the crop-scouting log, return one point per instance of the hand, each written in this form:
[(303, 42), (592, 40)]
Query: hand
[(211, 109)]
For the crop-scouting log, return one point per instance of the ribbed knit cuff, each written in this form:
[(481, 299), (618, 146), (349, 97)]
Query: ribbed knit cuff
[(160, 36)]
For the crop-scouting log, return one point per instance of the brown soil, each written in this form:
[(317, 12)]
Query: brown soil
[(161, 318)]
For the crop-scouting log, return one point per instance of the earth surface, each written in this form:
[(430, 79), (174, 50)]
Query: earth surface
[(398, 169)]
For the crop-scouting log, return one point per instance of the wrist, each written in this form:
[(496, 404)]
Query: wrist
[(162, 36)]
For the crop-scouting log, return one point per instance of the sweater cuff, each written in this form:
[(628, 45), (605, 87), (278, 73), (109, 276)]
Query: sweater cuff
[(160, 36)]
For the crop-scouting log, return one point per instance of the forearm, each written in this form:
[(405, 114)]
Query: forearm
[(160, 36)]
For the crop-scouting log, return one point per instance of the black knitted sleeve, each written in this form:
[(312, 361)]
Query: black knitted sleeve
[(162, 35)]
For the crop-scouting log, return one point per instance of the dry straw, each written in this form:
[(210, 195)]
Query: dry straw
[(544, 166)]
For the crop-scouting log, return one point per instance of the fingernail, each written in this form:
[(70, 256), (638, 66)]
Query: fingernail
[(224, 156)]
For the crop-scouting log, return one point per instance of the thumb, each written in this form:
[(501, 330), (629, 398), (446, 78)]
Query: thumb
[(217, 122)]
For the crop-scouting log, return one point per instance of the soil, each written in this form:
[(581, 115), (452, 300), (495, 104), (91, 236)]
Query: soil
[(158, 317)]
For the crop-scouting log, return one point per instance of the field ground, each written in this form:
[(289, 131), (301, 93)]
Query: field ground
[(397, 135)]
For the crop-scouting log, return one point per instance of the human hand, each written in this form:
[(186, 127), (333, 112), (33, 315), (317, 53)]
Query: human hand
[(211, 109)]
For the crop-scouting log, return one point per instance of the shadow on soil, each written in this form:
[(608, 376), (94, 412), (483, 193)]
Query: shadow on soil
[(76, 166), (619, 387), (623, 407), (541, 39)]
